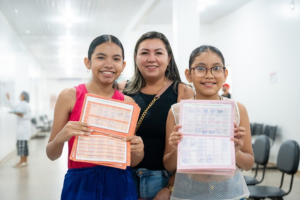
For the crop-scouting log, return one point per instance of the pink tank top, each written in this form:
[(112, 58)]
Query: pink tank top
[(75, 116)]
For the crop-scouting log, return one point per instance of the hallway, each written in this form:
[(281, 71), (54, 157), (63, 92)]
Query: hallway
[(41, 179)]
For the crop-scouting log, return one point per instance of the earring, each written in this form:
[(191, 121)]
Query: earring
[(88, 70), (168, 68)]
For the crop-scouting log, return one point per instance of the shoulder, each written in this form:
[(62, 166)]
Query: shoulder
[(241, 106), (67, 96), (128, 99), (121, 85), (184, 91)]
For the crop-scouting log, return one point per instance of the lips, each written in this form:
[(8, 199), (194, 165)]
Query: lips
[(151, 67), (208, 84), (107, 72)]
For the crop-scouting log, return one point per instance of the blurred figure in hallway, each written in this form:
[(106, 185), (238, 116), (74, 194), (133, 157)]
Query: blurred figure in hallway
[(23, 111), (226, 91)]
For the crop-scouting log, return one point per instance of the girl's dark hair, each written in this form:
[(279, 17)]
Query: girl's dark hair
[(103, 39), (171, 73), (205, 48)]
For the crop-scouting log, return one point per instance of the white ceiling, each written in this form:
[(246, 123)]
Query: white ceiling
[(57, 33)]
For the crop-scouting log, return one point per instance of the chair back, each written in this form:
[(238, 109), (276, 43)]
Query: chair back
[(257, 129), (261, 150), (288, 157), (270, 131), (33, 121)]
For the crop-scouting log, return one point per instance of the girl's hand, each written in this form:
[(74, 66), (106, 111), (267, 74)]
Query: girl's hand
[(7, 96), (136, 144), (73, 129), (175, 137), (239, 136)]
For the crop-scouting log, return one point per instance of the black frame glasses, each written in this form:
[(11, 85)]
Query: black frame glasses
[(211, 71)]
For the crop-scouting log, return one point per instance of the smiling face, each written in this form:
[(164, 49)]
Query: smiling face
[(152, 58), (207, 87), (106, 63)]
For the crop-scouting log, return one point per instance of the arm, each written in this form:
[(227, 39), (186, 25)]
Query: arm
[(172, 140), (136, 143), (244, 153), (184, 92), (63, 129)]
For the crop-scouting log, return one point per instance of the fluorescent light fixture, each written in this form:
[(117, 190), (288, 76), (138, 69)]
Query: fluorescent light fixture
[(27, 31), (201, 7), (16, 11), (293, 5)]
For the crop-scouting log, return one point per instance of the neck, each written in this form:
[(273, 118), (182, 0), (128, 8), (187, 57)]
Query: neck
[(155, 82), (204, 97), (100, 89), (154, 86)]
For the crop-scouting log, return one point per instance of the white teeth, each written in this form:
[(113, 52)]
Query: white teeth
[(107, 72), (208, 83), (151, 66)]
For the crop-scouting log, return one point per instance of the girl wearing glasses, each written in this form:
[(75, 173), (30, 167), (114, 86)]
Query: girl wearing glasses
[(208, 74)]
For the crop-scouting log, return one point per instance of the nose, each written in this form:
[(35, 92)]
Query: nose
[(209, 73), (151, 58), (108, 64)]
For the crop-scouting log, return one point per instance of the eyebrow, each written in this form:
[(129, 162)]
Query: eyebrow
[(102, 54), (205, 64), (149, 50)]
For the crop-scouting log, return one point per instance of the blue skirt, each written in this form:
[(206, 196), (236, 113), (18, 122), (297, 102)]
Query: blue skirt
[(99, 183)]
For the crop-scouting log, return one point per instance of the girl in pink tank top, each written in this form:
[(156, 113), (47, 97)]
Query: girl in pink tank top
[(83, 180)]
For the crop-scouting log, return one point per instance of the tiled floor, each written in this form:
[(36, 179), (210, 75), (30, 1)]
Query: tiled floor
[(42, 179)]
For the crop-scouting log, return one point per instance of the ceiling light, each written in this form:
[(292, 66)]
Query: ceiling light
[(27, 31), (16, 11), (201, 7), (293, 5)]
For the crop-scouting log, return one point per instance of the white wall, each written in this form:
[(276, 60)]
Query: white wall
[(18, 72), (54, 87), (257, 40)]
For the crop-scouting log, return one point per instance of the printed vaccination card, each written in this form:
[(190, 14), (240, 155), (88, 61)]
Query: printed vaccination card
[(207, 127), (112, 121)]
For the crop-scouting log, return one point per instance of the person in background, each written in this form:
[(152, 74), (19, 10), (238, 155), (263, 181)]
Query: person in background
[(155, 70), (225, 89), (23, 112)]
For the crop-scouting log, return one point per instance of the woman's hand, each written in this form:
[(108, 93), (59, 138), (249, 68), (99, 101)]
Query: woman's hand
[(137, 149), (239, 136), (7, 96), (163, 194), (175, 137), (136, 145), (71, 129)]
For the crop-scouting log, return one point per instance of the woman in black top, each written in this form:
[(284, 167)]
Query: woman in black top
[(155, 67)]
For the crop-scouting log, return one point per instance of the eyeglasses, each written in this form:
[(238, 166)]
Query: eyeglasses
[(216, 71)]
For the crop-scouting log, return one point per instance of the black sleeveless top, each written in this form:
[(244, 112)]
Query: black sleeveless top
[(153, 127)]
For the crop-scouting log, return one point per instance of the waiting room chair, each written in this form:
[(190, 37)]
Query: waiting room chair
[(271, 131), (257, 129), (287, 163), (261, 150)]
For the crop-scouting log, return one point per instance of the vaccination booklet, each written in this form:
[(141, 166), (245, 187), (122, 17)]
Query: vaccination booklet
[(112, 121), (207, 127)]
